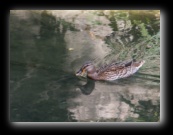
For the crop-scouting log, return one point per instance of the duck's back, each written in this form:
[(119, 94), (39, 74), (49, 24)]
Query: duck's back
[(119, 70)]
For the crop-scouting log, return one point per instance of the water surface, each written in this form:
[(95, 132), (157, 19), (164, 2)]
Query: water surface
[(48, 47)]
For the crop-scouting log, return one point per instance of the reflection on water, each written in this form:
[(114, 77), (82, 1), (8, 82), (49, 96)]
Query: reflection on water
[(48, 47), (88, 87), (116, 101)]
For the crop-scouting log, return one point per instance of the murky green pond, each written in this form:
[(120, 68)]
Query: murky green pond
[(48, 47)]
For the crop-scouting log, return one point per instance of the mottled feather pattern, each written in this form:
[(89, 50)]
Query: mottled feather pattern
[(113, 71), (113, 66)]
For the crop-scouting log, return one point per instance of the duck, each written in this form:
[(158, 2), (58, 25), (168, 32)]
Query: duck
[(110, 72)]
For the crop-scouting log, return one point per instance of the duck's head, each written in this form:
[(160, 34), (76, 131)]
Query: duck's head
[(88, 67)]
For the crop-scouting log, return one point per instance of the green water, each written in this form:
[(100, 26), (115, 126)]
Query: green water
[(48, 47)]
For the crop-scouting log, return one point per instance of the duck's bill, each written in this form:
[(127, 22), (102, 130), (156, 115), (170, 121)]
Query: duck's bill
[(79, 73)]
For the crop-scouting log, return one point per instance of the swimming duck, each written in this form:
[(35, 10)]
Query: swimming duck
[(112, 71)]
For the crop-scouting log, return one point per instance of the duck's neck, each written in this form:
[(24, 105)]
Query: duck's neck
[(93, 74)]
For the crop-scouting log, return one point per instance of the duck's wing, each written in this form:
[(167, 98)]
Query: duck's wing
[(122, 63), (115, 66)]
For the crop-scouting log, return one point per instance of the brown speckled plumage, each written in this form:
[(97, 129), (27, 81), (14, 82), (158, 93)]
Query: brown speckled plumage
[(112, 71)]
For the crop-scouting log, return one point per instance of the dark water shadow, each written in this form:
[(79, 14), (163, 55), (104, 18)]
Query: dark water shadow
[(88, 87)]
